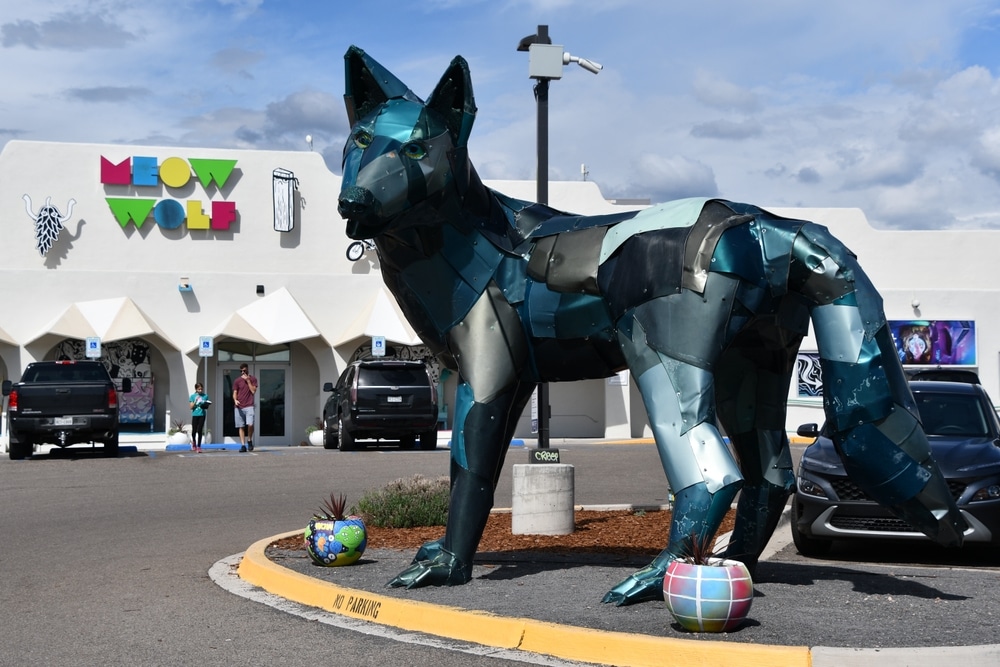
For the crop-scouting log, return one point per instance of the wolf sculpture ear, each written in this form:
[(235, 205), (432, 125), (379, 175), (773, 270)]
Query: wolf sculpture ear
[(452, 98), (367, 85)]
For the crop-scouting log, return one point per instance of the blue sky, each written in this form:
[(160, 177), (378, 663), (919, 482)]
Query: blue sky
[(892, 106)]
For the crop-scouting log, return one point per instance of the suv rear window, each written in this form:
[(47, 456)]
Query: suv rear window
[(395, 377)]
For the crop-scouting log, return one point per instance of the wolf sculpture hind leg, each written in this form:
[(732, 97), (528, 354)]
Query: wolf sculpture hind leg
[(751, 388)]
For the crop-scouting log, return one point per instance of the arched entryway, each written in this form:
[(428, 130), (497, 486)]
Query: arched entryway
[(143, 409), (287, 395)]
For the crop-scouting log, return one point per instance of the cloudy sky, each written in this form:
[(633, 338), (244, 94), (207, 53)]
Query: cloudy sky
[(888, 105)]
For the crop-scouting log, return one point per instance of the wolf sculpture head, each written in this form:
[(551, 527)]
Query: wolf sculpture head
[(417, 149)]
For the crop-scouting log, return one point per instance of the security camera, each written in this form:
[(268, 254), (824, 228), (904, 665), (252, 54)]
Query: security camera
[(588, 65)]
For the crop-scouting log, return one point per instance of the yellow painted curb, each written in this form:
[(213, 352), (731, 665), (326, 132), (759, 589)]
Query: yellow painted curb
[(480, 627)]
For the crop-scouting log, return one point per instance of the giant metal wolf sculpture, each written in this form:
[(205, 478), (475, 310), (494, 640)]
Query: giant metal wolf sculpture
[(705, 301)]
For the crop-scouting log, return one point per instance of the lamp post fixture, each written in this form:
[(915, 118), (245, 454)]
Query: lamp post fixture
[(545, 62)]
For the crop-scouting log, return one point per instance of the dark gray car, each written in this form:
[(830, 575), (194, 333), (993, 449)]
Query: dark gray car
[(964, 433), (381, 399)]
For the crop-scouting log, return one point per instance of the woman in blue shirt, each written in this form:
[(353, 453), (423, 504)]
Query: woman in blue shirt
[(199, 404)]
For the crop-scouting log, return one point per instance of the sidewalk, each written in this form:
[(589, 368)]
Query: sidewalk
[(130, 443)]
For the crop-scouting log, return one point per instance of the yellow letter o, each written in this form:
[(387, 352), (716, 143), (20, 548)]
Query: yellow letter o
[(175, 172)]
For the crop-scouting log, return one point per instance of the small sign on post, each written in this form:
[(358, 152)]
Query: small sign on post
[(206, 346), (93, 347), (378, 346)]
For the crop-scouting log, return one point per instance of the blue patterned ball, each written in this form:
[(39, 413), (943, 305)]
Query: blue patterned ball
[(331, 542)]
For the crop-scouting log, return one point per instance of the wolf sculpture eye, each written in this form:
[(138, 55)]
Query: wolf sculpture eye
[(414, 151), (362, 139)]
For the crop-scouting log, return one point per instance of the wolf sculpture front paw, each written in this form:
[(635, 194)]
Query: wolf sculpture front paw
[(643, 586), (428, 550), (445, 569)]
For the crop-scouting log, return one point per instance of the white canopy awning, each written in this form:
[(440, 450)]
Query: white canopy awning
[(381, 316), (275, 319), (107, 319)]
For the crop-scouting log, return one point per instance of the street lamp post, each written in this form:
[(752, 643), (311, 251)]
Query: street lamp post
[(545, 62)]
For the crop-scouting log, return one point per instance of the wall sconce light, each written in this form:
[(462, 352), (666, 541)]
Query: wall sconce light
[(915, 303), (260, 290), (184, 284)]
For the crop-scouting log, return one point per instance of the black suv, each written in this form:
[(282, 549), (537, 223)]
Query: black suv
[(381, 399)]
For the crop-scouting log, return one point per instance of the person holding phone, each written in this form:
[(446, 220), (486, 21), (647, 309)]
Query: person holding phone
[(244, 388), (199, 404)]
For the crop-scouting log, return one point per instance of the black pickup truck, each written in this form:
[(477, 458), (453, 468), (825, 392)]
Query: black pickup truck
[(62, 403)]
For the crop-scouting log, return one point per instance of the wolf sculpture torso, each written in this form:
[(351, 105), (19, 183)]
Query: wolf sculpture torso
[(705, 301)]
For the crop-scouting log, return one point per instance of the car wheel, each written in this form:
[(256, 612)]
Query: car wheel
[(111, 446), (408, 441), (345, 441), (807, 546), (330, 438), (20, 448), (429, 440)]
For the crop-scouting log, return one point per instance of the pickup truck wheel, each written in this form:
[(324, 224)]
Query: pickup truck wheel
[(329, 434), (111, 447), (429, 440), (345, 440), (20, 449)]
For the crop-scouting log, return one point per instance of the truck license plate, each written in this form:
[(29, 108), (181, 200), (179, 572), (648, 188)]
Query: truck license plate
[(393, 399), (63, 421)]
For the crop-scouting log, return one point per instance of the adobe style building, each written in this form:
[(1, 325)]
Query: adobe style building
[(175, 265)]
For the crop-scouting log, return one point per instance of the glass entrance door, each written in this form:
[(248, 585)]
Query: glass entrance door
[(271, 417)]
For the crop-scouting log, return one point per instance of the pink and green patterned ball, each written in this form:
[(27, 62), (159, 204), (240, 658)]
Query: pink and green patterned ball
[(332, 543), (708, 598)]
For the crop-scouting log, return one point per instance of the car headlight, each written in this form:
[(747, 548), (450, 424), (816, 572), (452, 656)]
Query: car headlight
[(811, 488), (991, 492)]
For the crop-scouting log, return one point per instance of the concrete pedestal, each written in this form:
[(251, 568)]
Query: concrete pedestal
[(543, 498)]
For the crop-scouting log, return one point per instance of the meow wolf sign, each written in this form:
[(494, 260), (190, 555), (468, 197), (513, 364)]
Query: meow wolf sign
[(173, 173)]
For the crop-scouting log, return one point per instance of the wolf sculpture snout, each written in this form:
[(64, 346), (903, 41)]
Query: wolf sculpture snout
[(360, 208)]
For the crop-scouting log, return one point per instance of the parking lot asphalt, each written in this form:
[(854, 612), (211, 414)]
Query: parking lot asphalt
[(805, 611)]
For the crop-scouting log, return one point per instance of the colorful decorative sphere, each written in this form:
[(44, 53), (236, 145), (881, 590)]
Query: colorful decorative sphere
[(330, 542), (708, 598)]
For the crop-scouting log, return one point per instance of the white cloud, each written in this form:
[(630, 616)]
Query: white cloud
[(714, 91), (663, 178), (67, 31), (727, 129), (871, 167), (986, 153), (112, 94)]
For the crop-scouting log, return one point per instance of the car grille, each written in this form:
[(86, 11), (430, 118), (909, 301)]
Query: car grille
[(847, 490), (881, 524)]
